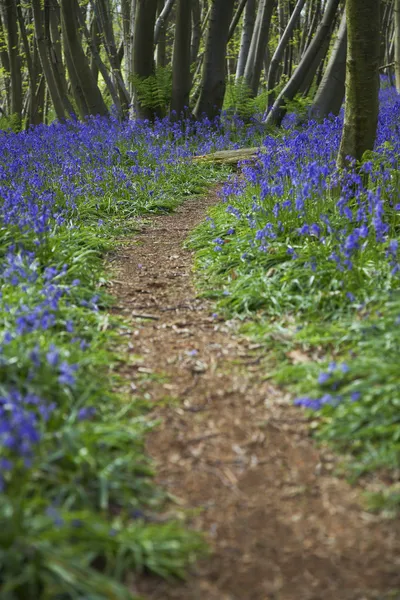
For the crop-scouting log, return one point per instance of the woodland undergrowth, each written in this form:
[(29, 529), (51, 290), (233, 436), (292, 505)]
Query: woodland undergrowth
[(307, 257)]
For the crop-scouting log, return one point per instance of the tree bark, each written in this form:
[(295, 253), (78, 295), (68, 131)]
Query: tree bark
[(53, 89), (397, 43), (70, 27), (277, 56), (143, 54), (330, 94), (15, 60), (245, 40), (254, 64), (162, 19), (181, 78), (213, 82), (292, 87), (196, 31), (362, 79), (102, 13), (236, 18), (161, 48)]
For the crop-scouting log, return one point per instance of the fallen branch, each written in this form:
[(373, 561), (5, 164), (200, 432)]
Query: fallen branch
[(230, 157)]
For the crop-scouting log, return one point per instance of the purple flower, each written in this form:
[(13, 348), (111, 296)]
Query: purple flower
[(67, 373), (86, 413)]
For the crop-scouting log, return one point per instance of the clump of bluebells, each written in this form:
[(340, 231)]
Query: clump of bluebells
[(73, 469), (314, 246)]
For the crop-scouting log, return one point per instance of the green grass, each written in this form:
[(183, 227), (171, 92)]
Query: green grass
[(306, 323)]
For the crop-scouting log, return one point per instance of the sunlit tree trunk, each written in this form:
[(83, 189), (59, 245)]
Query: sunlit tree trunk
[(245, 40), (362, 79), (259, 41), (161, 48)]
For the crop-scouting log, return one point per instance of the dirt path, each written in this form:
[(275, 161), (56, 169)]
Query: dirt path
[(281, 526)]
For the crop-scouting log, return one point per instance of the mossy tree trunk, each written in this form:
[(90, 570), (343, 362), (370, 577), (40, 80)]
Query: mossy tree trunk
[(362, 79)]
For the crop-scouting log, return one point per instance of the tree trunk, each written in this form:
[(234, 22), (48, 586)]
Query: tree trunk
[(162, 19), (52, 23), (53, 90), (254, 64), (161, 48), (125, 13), (15, 60), (213, 82), (292, 87), (103, 15), (143, 55), (362, 79), (330, 94), (100, 66), (245, 40), (181, 78), (236, 18), (397, 43), (70, 27), (273, 67), (196, 31)]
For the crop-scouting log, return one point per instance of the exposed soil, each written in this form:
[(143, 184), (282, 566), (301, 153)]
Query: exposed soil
[(281, 525)]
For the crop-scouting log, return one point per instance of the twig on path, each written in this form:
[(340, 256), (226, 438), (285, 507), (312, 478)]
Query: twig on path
[(201, 438), (144, 316)]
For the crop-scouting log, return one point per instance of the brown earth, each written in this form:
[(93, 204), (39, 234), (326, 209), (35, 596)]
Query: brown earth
[(281, 525)]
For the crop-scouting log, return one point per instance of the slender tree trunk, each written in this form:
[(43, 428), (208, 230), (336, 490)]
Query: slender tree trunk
[(70, 28), (53, 40), (362, 79), (100, 66), (245, 40), (330, 94), (95, 47), (53, 90), (143, 54), (278, 110), (273, 67), (162, 19), (213, 83), (15, 60), (103, 15), (236, 18), (181, 78), (161, 48), (131, 37), (254, 64), (125, 13), (196, 31), (5, 63), (397, 43)]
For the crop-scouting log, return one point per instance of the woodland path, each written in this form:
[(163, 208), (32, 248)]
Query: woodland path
[(231, 446)]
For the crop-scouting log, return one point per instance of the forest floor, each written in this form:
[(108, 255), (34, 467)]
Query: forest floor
[(233, 451)]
